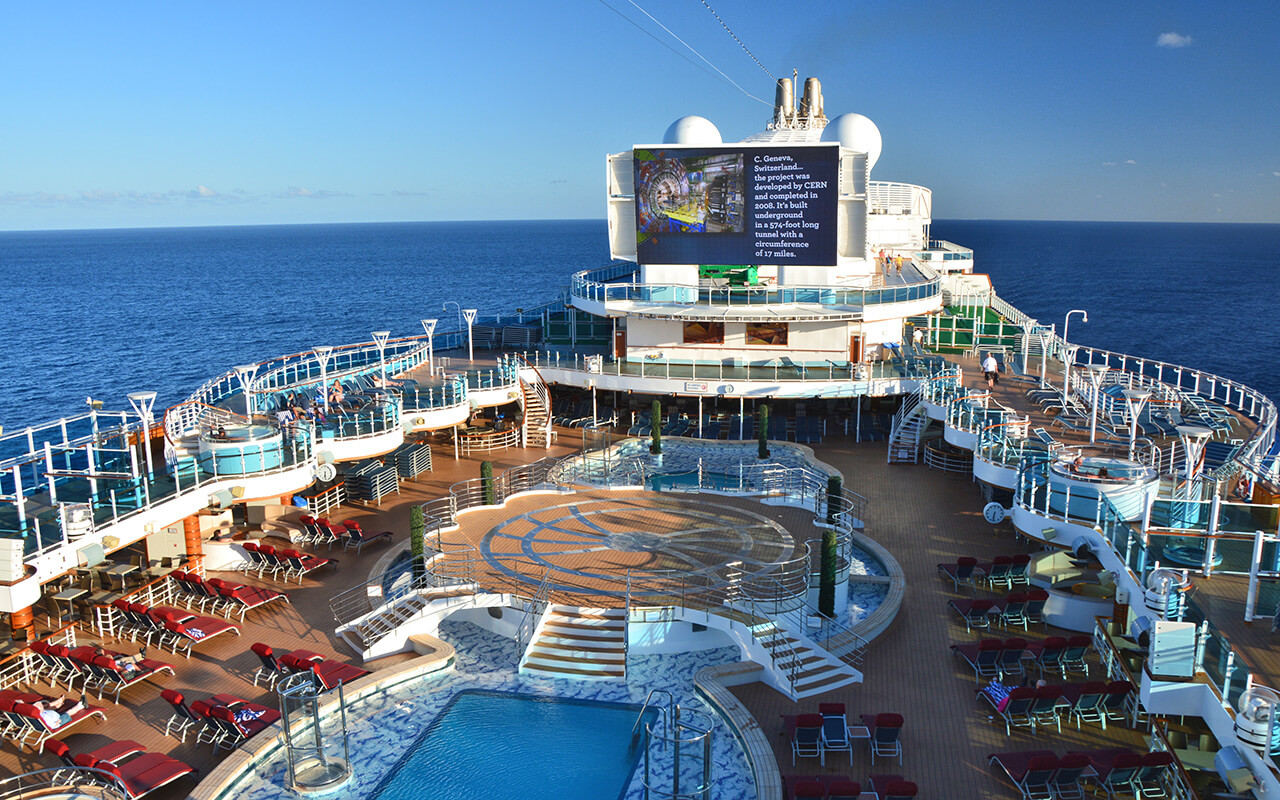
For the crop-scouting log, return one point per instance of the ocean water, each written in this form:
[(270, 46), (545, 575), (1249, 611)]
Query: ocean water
[(105, 313)]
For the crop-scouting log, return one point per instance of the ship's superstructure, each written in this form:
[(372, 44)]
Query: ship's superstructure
[(770, 270)]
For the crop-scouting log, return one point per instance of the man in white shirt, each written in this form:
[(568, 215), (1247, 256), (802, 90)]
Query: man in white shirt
[(991, 370)]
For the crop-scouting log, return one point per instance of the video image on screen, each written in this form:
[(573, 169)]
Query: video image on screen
[(693, 194)]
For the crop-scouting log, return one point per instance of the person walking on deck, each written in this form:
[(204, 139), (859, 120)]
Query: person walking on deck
[(991, 370)]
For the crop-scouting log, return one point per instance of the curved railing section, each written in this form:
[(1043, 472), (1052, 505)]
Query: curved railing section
[(585, 288), (449, 394), (189, 416)]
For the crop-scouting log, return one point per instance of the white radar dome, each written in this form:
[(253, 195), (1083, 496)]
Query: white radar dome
[(693, 130), (855, 132)]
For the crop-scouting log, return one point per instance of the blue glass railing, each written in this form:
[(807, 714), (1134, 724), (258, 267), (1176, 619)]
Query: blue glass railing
[(845, 297)]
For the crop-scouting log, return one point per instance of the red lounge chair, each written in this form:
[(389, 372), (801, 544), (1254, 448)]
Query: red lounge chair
[(1014, 707), (1018, 570), (238, 720), (998, 572), (113, 752), (244, 598), (143, 774), (1150, 780), (1036, 598), (892, 787), (1066, 782), (805, 733), (983, 657), (843, 789), (328, 534), (1032, 772), (110, 674), (1011, 657), (1013, 610), (1073, 658), (962, 573), (886, 735), (329, 672), (357, 537), (835, 729), (1115, 702), (1048, 708), (798, 786), (35, 731), (188, 629), (1114, 770), (1050, 656), (184, 717), (1086, 702), (301, 564), (975, 613)]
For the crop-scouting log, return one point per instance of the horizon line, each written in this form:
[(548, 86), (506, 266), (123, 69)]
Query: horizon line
[(571, 219)]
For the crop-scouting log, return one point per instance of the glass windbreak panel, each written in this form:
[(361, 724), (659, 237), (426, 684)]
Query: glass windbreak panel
[(1215, 659), (1247, 518), (1233, 556), (704, 333), (767, 333), (1240, 670)]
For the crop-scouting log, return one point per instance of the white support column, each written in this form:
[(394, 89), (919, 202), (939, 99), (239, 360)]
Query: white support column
[(1068, 353), (1134, 400), (429, 325), (1097, 372), (470, 315), (322, 355), (1251, 598), (246, 373), (142, 403), (380, 339)]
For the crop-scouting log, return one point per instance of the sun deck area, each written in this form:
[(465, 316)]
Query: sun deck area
[(922, 516)]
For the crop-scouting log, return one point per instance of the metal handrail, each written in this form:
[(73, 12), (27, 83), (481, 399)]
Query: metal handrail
[(80, 781)]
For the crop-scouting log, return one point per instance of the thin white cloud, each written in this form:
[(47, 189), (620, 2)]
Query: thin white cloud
[(1172, 39), (1130, 161), (311, 194), (108, 197), (1108, 163), (1276, 173)]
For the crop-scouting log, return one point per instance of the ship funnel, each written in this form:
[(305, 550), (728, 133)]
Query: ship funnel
[(811, 103), (783, 103)]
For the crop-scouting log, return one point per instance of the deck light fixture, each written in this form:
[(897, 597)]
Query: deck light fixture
[(445, 307), (380, 339), (142, 403), (1066, 353), (1096, 373), (322, 355), (470, 315), (1134, 400), (429, 325), (246, 373)]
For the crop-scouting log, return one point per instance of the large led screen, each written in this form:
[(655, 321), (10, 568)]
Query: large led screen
[(722, 205)]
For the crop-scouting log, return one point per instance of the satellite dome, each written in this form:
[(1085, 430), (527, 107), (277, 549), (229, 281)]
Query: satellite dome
[(693, 130), (855, 132)]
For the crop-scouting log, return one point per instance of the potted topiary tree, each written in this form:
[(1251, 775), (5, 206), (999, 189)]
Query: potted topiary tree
[(762, 430), (656, 418), (830, 551), (417, 543), (486, 483)]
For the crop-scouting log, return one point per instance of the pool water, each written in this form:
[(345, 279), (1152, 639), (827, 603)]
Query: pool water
[(498, 745)]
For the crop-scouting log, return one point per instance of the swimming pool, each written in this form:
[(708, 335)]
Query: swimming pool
[(499, 744)]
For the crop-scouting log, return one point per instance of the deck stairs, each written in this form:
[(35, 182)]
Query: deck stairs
[(907, 433), (365, 633), (537, 409), (583, 643)]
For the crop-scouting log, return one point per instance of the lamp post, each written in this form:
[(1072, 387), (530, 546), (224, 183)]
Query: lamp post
[(445, 307), (470, 315), (1066, 354), (246, 372), (322, 355), (1134, 401), (380, 339), (142, 403), (429, 325), (1096, 373), (1045, 335)]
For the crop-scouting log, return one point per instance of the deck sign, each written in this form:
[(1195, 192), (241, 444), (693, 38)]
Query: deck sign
[(737, 205)]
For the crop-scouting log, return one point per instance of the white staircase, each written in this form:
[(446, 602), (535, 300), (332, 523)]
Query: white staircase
[(908, 429), (364, 633), (806, 667), (537, 410), (578, 643)]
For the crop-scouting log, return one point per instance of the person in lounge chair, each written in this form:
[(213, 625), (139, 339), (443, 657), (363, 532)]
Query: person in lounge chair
[(58, 712), (127, 664)]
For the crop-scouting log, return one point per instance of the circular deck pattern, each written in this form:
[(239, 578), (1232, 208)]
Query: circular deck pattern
[(593, 545)]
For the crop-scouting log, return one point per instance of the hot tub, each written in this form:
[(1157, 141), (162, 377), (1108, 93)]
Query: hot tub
[(240, 449), (1076, 481)]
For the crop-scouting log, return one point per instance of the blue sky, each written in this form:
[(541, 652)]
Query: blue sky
[(137, 114)]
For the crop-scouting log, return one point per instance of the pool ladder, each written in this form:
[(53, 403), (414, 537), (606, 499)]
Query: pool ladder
[(681, 734)]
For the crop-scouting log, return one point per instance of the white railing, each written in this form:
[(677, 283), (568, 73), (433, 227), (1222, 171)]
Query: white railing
[(899, 198)]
